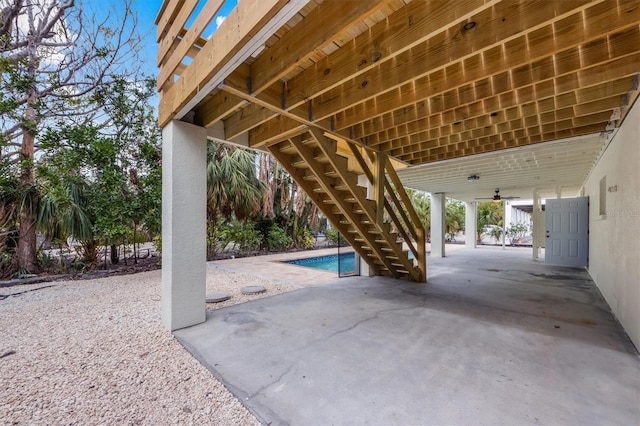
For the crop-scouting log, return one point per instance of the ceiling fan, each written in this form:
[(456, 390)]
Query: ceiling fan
[(497, 198)]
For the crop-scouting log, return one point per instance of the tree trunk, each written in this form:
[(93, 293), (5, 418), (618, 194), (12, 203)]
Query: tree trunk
[(26, 252), (135, 252), (115, 259)]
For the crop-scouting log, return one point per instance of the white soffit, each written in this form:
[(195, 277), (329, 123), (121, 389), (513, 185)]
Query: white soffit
[(517, 172)]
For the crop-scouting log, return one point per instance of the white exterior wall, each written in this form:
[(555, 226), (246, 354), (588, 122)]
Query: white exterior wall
[(614, 238), (515, 216), (184, 210)]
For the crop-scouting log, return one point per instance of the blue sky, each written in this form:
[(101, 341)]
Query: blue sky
[(147, 11)]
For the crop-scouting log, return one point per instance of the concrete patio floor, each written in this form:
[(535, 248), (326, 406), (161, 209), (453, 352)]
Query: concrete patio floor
[(494, 338)]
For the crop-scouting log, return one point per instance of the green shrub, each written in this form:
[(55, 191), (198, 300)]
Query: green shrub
[(242, 234), (516, 232), (277, 238), (306, 239), (334, 237), (157, 243)]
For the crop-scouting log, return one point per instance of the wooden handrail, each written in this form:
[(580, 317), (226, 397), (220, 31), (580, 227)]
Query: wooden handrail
[(401, 229), (409, 227), (408, 224), (403, 195), (358, 156)]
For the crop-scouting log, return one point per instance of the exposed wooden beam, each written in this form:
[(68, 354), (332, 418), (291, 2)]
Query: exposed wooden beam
[(448, 61), (517, 77), (218, 107), (246, 119), (400, 34), (490, 96), (547, 112), (277, 129), (493, 143), (289, 121), (318, 29), (166, 15), (191, 36), (229, 46), (402, 31)]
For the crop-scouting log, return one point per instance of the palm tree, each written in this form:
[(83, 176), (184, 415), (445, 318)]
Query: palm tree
[(233, 187), (64, 211), (8, 210), (489, 213), (454, 217)]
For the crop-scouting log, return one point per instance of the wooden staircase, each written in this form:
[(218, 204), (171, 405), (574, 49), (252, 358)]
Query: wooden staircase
[(381, 224)]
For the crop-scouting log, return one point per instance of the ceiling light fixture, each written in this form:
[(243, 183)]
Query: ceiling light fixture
[(473, 178)]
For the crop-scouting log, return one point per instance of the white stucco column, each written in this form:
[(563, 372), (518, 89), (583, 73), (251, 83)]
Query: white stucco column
[(504, 223), (184, 189), (437, 224), (535, 219), (470, 224)]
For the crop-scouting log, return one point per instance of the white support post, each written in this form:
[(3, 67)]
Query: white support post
[(437, 224), (535, 216), (470, 224), (184, 190), (504, 224)]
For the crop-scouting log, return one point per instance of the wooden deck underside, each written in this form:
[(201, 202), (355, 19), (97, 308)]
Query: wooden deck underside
[(414, 82)]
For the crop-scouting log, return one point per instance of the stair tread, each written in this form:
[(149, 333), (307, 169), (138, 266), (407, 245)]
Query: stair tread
[(376, 243)]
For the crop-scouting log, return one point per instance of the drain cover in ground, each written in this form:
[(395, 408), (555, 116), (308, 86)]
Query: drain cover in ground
[(253, 289), (217, 297)]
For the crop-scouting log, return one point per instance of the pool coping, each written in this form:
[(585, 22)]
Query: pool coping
[(272, 266)]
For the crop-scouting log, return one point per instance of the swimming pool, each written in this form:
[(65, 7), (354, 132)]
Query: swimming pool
[(329, 263)]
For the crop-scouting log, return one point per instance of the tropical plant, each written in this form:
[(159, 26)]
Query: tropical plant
[(286, 203), (242, 234), (8, 206), (277, 238), (488, 213), (454, 217), (422, 206), (495, 232), (54, 56), (233, 188), (333, 237), (515, 232)]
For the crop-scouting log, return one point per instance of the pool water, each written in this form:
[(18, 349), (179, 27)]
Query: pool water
[(329, 263), (347, 262)]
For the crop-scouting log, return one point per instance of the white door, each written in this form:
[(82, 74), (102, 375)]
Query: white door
[(567, 231)]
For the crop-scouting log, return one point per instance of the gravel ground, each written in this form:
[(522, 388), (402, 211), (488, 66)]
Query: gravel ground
[(95, 352)]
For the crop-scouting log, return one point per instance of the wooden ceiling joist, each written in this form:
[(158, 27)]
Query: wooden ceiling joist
[(319, 28), (547, 111), (498, 97), (387, 95), (422, 80), (227, 44)]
